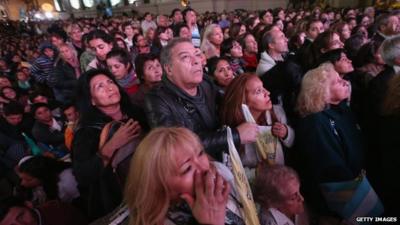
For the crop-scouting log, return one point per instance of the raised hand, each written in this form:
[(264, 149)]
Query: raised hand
[(209, 204)]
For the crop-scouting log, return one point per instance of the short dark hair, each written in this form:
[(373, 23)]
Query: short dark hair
[(36, 106), (122, 56), (100, 34), (13, 108), (174, 11), (141, 59)]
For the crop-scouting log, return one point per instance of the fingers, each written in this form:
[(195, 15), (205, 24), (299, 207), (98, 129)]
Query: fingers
[(210, 183)]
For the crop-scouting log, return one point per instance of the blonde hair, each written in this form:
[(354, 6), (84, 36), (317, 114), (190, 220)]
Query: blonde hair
[(71, 48), (206, 46), (314, 92), (146, 192)]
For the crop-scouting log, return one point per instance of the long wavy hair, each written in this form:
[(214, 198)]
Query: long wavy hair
[(146, 192), (314, 92)]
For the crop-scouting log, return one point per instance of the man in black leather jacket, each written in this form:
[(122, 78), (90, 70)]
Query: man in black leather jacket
[(186, 98)]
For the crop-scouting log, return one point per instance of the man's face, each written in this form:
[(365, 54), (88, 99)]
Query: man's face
[(71, 114), (13, 119), (178, 17), (185, 68), (19, 216), (280, 42), (43, 115), (392, 27), (49, 52)]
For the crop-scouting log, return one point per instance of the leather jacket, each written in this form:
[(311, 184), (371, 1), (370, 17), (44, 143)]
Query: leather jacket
[(168, 105)]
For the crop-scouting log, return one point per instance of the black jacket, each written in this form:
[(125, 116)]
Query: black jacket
[(99, 186), (167, 105), (329, 149), (63, 80)]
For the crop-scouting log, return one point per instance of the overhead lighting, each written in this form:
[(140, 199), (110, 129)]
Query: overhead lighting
[(48, 15)]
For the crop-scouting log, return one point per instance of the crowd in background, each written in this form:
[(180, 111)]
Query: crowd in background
[(127, 119)]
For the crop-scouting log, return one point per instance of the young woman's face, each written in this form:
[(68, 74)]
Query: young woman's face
[(343, 65), (100, 47), (223, 73), (28, 181), (152, 71), (346, 33), (104, 91), (117, 68), (188, 163), (257, 97), (185, 33), (236, 50), (66, 53), (251, 45)]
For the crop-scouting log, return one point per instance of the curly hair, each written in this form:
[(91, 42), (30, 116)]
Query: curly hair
[(314, 92)]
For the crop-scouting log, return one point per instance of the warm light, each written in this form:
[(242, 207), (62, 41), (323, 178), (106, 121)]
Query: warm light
[(38, 15), (46, 7), (49, 15)]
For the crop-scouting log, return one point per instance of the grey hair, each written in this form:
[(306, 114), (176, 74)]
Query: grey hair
[(267, 39), (166, 52), (390, 50)]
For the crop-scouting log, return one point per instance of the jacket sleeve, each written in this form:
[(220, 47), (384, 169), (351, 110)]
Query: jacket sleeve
[(45, 136), (86, 163)]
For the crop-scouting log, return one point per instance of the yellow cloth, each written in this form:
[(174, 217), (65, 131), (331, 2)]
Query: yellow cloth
[(249, 210)]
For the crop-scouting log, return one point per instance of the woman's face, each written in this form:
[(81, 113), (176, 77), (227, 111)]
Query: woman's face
[(152, 71), (236, 50), (343, 65), (28, 181), (188, 163), (9, 93), (100, 47), (242, 30), (185, 33), (121, 44), (117, 68), (346, 33), (66, 53), (216, 36), (104, 91), (338, 88), (335, 42), (166, 35), (294, 201), (257, 97), (223, 73), (251, 45)]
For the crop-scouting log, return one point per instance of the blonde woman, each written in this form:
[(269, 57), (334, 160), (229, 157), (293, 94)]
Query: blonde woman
[(172, 181), (328, 138), (66, 73), (212, 40)]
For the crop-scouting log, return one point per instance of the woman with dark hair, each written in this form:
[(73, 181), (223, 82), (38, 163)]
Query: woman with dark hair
[(220, 69), (48, 179), (325, 42), (339, 60), (149, 72), (140, 46), (102, 43), (102, 101), (236, 30), (182, 30), (120, 65), (231, 48), (161, 38), (250, 51)]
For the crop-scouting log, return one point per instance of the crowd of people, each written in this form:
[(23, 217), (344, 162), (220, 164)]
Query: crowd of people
[(128, 119)]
